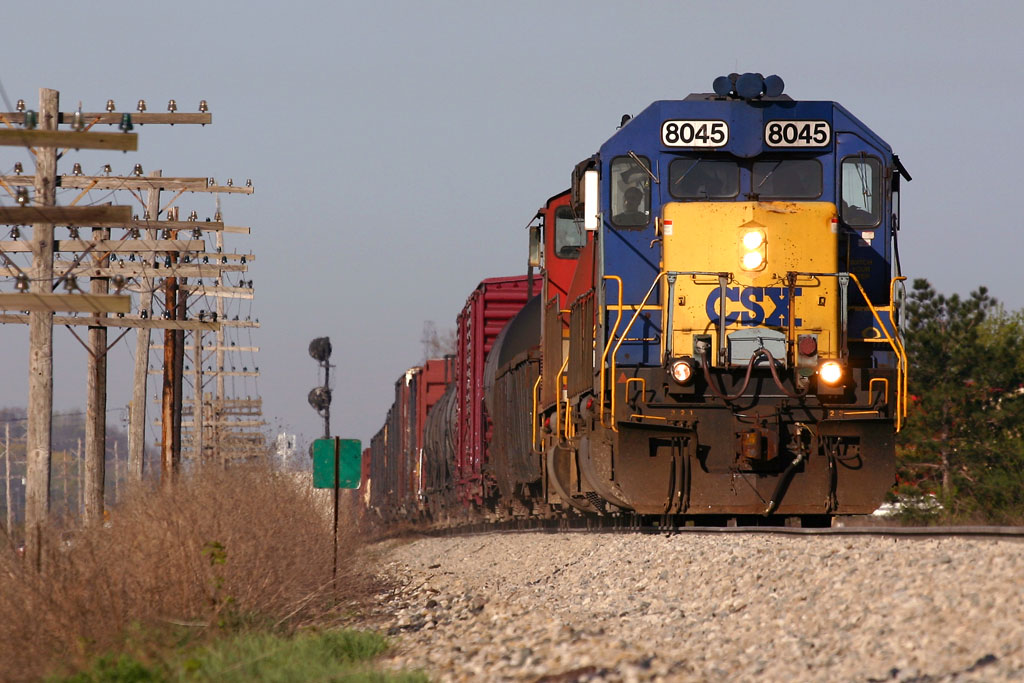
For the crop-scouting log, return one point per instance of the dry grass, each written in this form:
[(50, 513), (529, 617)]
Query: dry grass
[(220, 551)]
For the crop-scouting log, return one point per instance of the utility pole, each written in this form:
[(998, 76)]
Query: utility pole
[(198, 421), (137, 416), (218, 399), (40, 335), (168, 461), (38, 309), (80, 479), (7, 478), (118, 475), (96, 400)]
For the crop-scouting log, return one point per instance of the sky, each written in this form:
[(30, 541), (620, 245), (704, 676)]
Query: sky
[(399, 148)]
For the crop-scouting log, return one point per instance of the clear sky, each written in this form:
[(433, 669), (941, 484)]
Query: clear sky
[(398, 149)]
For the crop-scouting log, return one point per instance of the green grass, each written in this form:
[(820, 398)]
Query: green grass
[(337, 655)]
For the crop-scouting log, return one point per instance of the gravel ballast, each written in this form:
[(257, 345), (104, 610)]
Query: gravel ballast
[(704, 607)]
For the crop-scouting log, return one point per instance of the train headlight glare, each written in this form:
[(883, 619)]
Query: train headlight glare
[(752, 260), (752, 249), (753, 239), (681, 370), (830, 372)]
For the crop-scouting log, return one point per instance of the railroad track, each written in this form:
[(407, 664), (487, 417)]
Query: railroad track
[(842, 528)]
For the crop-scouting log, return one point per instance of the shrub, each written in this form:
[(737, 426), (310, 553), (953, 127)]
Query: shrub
[(218, 552)]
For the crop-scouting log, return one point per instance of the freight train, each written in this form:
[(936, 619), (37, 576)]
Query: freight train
[(709, 328)]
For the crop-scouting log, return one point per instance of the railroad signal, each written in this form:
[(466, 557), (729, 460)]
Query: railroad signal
[(320, 397)]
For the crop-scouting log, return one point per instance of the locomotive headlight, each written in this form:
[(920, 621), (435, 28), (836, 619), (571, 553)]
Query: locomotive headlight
[(753, 239), (682, 370), (752, 250), (752, 260), (830, 372)]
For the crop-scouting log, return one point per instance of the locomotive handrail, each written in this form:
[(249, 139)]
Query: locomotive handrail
[(643, 386), (533, 420), (636, 314), (629, 326), (892, 312), (604, 356), (894, 341), (558, 397), (897, 345)]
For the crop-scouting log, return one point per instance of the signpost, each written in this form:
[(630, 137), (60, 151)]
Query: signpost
[(337, 464)]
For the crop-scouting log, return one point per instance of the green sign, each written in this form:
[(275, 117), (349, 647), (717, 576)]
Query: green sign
[(343, 456)]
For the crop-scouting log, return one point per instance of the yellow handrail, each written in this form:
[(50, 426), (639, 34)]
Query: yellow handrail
[(885, 387), (892, 311), (604, 357), (643, 385), (558, 393), (901, 355), (533, 420), (636, 314)]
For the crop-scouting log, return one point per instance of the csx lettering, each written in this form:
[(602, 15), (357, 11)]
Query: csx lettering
[(755, 306)]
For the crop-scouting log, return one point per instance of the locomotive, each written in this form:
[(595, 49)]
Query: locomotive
[(713, 331)]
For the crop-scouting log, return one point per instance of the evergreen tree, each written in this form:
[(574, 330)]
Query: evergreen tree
[(963, 439)]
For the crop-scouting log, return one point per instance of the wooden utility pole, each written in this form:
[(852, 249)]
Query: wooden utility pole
[(179, 361), (137, 415), (96, 400), (219, 450), (40, 335), (7, 477), (80, 479), (38, 305), (118, 474), (197, 411), (168, 462)]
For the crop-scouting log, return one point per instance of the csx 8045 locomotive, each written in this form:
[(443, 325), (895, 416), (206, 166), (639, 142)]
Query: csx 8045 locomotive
[(718, 324)]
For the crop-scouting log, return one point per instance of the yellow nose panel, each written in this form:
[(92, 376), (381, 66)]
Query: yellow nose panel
[(757, 244)]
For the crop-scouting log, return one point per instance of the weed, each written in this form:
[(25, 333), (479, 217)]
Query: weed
[(175, 568)]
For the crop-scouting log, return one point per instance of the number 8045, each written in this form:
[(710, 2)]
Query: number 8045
[(797, 133), (694, 133)]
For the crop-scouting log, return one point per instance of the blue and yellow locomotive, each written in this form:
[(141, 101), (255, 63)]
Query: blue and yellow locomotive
[(730, 342)]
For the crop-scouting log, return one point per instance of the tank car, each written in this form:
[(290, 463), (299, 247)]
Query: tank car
[(720, 324)]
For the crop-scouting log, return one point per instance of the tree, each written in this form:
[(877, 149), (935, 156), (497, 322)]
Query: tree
[(963, 439)]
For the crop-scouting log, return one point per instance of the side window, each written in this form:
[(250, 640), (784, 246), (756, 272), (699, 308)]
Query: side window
[(570, 236), (631, 192), (861, 191)]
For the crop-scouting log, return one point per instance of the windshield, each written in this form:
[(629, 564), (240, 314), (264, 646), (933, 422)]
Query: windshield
[(786, 179), (695, 178), (569, 234)]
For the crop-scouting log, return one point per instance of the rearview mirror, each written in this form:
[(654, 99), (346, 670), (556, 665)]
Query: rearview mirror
[(534, 261)]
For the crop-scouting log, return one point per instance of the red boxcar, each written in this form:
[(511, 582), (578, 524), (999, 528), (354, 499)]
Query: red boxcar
[(396, 471), (494, 302)]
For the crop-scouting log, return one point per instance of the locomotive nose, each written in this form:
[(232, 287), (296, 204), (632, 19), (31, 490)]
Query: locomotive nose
[(759, 283)]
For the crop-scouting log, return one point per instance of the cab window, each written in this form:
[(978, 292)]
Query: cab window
[(695, 178), (786, 179), (861, 191), (631, 192), (570, 236)]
